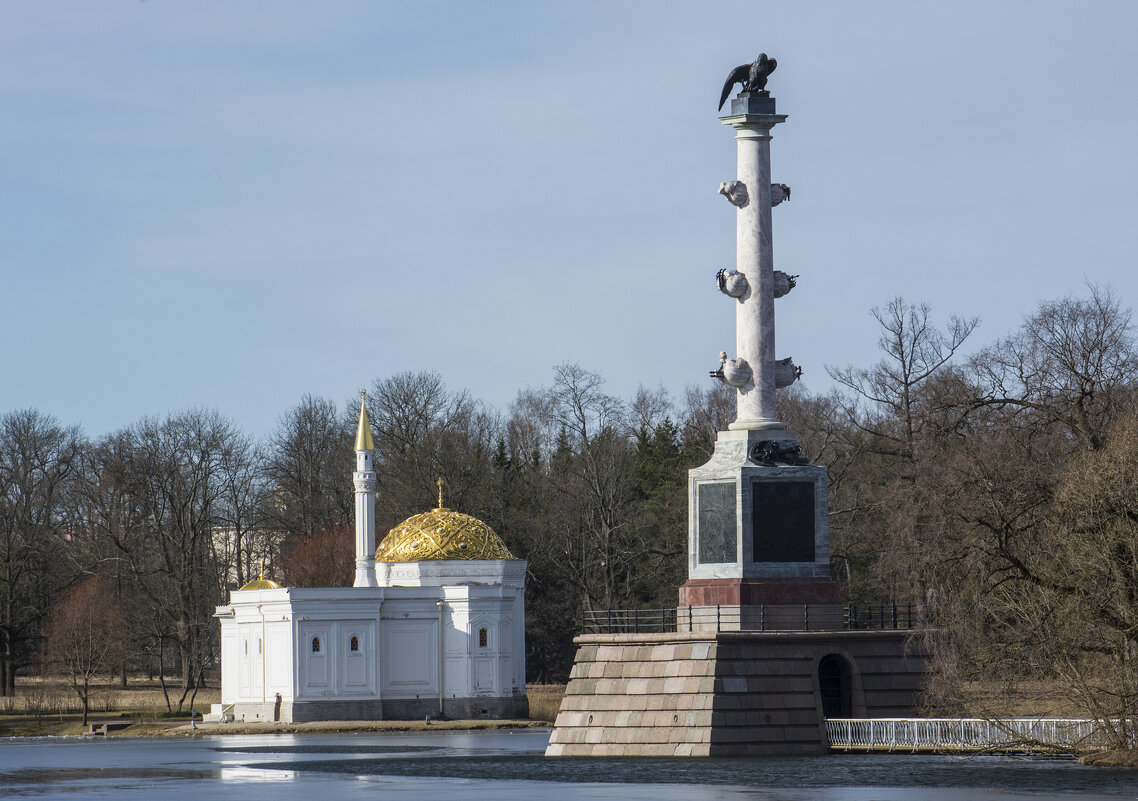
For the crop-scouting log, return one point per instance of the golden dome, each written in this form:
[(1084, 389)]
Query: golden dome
[(262, 584), (441, 534)]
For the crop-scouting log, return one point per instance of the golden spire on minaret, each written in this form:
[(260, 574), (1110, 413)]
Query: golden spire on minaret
[(440, 483), (363, 433)]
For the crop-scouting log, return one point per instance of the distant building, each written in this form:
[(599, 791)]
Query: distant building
[(435, 625)]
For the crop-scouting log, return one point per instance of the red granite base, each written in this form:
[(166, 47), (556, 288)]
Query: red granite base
[(753, 592)]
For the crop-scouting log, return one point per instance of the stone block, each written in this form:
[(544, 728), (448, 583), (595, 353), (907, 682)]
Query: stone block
[(674, 685), (697, 719), (572, 735), (609, 653), (780, 684), (635, 687), (800, 701), (586, 653), (582, 687), (731, 684), (694, 684)]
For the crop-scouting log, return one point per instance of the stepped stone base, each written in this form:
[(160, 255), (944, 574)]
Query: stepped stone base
[(727, 693)]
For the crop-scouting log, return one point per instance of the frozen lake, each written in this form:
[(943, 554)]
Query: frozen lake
[(507, 765)]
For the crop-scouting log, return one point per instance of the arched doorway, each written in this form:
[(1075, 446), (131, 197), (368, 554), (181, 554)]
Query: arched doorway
[(834, 685)]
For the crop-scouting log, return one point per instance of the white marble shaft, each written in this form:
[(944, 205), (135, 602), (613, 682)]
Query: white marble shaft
[(365, 480), (754, 257)]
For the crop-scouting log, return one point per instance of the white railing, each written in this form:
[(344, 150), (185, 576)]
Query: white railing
[(963, 734)]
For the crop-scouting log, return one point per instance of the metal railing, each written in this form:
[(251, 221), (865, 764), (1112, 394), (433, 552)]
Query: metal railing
[(1017, 735), (764, 617)]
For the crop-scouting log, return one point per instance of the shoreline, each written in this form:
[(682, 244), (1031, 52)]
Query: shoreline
[(343, 727), (185, 728)]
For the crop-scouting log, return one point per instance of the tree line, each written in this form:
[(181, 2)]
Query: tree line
[(997, 485)]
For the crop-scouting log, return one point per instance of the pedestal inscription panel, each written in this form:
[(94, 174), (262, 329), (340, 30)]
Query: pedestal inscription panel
[(782, 517), (717, 523)]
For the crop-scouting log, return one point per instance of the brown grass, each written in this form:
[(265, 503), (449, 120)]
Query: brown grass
[(43, 706), (544, 700), (50, 706), (1022, 699)]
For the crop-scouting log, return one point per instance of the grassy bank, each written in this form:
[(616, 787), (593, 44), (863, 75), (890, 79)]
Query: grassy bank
[(49, 707), (46, 707)]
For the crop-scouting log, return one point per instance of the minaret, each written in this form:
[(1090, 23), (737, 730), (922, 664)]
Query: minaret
[(365, 501)]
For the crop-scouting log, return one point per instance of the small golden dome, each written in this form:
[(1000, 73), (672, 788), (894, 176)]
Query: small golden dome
[(441, 534), (262, 584)]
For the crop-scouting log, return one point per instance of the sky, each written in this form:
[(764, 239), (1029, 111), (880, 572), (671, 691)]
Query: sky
[(229, 204)]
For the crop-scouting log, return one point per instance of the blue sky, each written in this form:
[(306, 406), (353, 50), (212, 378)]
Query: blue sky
[(230, 204)]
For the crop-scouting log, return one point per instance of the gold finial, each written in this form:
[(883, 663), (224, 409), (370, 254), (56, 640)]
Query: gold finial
[(261, 583), (363, 433), (440, 483)]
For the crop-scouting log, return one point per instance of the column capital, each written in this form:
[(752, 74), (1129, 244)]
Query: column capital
[(759, 123)]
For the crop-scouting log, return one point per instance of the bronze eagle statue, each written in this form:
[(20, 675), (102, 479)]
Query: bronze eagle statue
[(752, 76)]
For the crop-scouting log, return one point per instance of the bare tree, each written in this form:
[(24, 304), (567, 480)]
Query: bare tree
[(1072, 363), (914, 351), (424, 431), (84, 637), (326, 559), (706, 411), (305, 470), (595, 477), (173, 473), (38, 459), (244, 539), (650, 409)]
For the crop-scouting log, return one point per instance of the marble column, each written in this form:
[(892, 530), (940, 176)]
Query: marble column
[(753, 118)]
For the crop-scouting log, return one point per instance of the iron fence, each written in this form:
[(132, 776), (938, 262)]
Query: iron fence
[(763, 617)]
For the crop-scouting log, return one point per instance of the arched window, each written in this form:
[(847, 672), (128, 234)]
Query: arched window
[(834, 685), (355, 644), (483, 638), (315, 645), (258, 645)]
